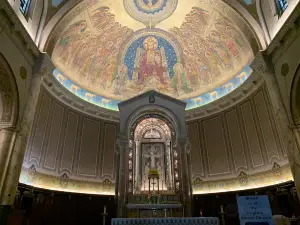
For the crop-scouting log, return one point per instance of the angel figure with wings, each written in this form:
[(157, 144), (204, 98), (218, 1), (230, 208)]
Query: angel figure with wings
[(150, 61)]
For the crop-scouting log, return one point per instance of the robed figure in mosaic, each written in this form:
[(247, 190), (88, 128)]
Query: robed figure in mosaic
[(150, 61)]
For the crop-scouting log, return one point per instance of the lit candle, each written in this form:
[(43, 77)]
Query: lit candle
[(105, 209)]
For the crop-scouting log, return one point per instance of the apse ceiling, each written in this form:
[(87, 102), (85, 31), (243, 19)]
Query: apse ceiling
[(111, 50)]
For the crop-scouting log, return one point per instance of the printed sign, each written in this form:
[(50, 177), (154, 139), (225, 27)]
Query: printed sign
[(255, 210)]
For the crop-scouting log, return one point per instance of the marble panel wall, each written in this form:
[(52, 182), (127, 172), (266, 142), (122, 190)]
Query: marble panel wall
[(66, 141), (240, 141), (244, 138)]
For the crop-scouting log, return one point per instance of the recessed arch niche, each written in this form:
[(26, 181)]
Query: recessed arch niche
[(152, 138), (9, 103)]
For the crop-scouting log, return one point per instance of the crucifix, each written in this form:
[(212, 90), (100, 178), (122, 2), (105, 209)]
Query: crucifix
[(153, 183), (153, 155)]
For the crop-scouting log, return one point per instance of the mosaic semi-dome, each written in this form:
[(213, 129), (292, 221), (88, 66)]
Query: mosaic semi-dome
[(112, 50)]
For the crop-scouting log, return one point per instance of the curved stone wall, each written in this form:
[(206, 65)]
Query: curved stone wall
[(237, 148), (69, 150)]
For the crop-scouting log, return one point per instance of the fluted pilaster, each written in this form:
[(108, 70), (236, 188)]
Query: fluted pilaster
[(290, 138), (121, 192)]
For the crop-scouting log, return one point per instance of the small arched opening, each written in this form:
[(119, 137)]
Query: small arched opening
[(9, 103), (295, 98)]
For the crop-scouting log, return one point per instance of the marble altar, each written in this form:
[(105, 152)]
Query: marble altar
[(154, 206), (167, 221)]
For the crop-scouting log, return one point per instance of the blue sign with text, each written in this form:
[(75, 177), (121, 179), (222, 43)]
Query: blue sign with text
[(255, 210)]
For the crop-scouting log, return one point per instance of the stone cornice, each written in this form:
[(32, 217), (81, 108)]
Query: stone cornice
[(54, 34), (295, 127), (245, 90), (13, 27), (44, 66), (154, 93), (254, 82), (261, 64), (71, 100)]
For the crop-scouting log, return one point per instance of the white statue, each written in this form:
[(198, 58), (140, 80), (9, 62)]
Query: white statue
[(153, 155)]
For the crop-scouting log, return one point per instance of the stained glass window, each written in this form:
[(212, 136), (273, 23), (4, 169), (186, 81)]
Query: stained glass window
[(282, 5), (24, 5)]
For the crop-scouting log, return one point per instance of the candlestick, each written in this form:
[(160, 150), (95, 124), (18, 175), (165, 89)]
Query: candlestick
[(104, 214), (222, 215)]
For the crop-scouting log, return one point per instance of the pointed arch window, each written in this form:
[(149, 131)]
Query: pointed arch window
[(24, 6), (281, 6)]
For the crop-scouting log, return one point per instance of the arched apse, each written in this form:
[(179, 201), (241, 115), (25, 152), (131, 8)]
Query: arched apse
[(9, 101), (41, 22), (272, 18), (259, 31), (45, 33), (295, 97), (263, 21), (51, 25)]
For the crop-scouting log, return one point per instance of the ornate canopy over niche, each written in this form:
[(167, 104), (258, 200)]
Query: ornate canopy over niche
[(114, 50), (152, 149)]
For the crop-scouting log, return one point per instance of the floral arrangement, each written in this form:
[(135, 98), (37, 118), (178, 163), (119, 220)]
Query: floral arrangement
[(153, 173)]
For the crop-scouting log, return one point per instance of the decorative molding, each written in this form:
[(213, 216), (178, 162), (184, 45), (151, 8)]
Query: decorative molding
[(295, 127), (74, 102), (112, 174), (65, 183), (260, 64), (198, 150), (106, 187), (250, 20), (81, 151), (62, 24), (225, 149), (240, 167), (45, 32), (254, 82), (49, 139), (44, 66), (61, 168), (36, 158), (8, 96), (246, 126), (121, 145), (244, 181)]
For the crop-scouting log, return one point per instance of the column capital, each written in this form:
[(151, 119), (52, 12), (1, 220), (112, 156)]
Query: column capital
[(122, 145), (261, 64), (11, 129), (184, 143), (295, 127), (44, 66)]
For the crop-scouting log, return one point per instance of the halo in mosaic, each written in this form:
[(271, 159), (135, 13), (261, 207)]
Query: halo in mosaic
[(150, 12), (197, 55), (150, 6)]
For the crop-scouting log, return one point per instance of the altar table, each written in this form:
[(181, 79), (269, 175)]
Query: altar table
[(154, 210), (167, 221), (154, 206)]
